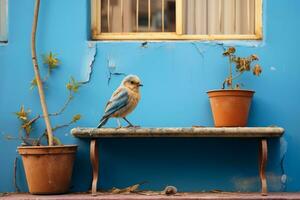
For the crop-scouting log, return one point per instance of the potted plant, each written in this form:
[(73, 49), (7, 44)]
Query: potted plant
[(230, 107), (48, 168)]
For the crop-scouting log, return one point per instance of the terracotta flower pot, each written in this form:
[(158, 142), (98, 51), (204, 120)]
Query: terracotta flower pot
[(48, 169), (230, 108)]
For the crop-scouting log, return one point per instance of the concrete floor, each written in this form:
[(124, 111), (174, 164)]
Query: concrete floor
[(179, 196)]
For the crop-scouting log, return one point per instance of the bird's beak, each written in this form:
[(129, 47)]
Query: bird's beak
[(141, 85)]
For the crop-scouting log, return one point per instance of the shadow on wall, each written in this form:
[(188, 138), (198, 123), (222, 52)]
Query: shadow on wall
[(179, 162)]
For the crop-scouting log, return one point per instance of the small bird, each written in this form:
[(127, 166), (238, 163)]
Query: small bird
[(123, 101)]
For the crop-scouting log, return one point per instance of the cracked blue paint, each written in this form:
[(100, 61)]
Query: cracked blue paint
[(91, 53)]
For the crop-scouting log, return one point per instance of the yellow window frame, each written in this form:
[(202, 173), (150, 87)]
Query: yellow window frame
[(178, 35)]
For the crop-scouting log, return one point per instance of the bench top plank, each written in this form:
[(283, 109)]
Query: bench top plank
[(235, 132)]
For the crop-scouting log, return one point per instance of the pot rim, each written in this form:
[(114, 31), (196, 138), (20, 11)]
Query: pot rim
[(48, 147), (230, 90)]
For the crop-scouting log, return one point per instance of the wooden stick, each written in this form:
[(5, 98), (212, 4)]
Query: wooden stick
[(235, 18), (163, 15), (137, 15), (179, 24), (122, 15), (108, 16), (37, 74), (149, 15), (248, 16), (220, 15)]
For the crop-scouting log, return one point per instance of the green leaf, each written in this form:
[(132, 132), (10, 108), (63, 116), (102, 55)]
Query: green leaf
[(76, 118), (33, 83), (69, 86), (56, 141), (73, 85), (51, 61), (22, 114), (27, 127)]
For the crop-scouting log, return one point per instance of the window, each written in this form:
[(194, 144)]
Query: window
[(176, 19), (3, 20)]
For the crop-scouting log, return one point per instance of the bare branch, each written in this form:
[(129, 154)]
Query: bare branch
[(37, 73)]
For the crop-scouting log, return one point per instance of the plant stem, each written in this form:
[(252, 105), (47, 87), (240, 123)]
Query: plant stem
[(63, 125), (230, 71), (33, 120), (70, 97), (37, 73), (237, 75)]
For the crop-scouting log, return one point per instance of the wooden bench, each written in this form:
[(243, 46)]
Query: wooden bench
[(262, 133)]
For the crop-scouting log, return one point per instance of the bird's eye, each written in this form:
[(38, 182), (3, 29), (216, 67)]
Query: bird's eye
[(132, 82)]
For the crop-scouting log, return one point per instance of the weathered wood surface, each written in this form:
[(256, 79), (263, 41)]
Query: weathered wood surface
[(241, 132), (179, 196)]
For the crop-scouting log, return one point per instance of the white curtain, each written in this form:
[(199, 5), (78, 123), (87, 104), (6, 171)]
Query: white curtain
[(3, 18), (116, 17), (199, 16), (219, 16)]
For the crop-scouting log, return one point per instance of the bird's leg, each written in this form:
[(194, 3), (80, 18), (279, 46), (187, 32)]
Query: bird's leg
[(130, 124), (119, 123)]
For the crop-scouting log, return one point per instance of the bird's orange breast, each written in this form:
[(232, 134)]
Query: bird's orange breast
[(133, 100)]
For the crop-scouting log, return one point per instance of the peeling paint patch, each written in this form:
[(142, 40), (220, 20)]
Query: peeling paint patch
[(111, 64), (241, 43), (283, 147), (283, 151), (237, 43), (245, 184), (144, 45), (157, 45), (3, 44), (249, 184), (89, 61), (112, 70), (284, 179), (244, 43)]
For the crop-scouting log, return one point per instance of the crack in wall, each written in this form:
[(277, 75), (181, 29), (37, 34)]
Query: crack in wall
[(283, 151), (198, 49), (91, 58)]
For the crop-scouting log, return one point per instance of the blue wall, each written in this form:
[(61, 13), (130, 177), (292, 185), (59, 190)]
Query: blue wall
[(176, 76)]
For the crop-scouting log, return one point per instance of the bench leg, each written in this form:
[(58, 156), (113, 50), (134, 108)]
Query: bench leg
[(95, 164), (263, 156)]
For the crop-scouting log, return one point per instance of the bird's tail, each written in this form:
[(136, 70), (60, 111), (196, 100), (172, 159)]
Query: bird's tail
[(102, 122)]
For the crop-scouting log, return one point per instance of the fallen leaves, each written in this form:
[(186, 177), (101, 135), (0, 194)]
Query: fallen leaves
[(127, 190), (168, 190)]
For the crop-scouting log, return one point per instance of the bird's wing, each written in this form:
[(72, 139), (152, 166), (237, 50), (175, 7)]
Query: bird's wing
[(118, 100)]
